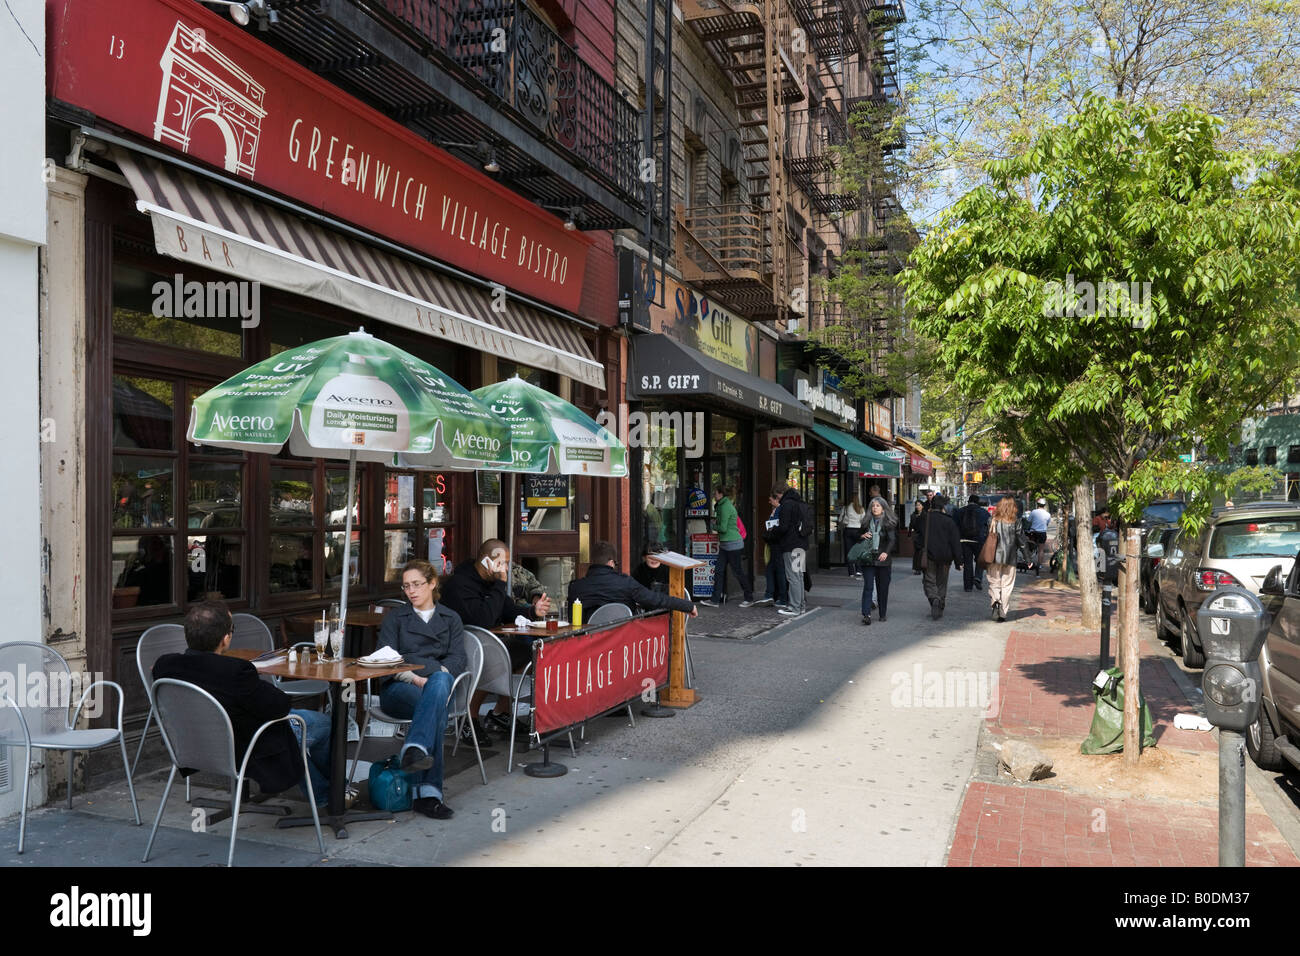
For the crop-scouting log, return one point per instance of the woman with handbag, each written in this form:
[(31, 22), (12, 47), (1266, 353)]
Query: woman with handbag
[(851, 527), (872, 552), (915, 529), (998, 555)]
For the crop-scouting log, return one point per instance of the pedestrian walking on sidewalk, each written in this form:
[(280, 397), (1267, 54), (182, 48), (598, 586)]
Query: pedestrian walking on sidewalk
[(776, 587), (851, 519), (731, 553), (881, 532), (973, 523), (942, 545), (1001, 573), (914, 528), (1038, 521), (793, 529)]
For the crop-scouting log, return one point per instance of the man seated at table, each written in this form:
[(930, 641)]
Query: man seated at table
[(249, 701), (476, 591), (429, 634), (651, 572), (604, 585)]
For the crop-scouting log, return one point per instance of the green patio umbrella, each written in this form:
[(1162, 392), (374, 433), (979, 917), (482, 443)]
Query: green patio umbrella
[(550, 436), (355, 397)]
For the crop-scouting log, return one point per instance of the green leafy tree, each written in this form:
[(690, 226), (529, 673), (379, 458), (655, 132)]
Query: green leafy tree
[(1145, 293)]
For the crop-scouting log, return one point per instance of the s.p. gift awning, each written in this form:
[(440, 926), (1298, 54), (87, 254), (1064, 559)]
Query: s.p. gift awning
[(200, 222)]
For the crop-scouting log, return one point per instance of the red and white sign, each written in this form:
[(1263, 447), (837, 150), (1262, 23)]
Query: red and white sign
[(584, 675), (785, 439), (181, 75), (920, 465)]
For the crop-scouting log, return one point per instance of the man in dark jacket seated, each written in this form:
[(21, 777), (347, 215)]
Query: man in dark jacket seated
[(942, 545), (476, 591), (250, 702), (651, 572), (604, 585)]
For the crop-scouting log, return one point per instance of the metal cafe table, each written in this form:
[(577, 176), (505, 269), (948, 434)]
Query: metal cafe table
[(338, 675)]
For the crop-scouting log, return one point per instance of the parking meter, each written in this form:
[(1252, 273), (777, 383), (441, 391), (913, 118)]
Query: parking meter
[(1232, 624), (1108, 570)]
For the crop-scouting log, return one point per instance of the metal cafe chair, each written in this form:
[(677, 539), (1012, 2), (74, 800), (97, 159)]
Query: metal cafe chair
[(462, 692), (498, 679), (158, 641), (45, 725), (198, 735), (610, 614)]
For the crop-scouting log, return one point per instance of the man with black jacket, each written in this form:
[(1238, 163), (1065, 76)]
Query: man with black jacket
[(942, 547), (249, 702), (792, 539), (604, 585), (973, 525), (476, 591)]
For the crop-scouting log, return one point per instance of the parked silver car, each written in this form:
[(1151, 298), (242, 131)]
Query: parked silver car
[(1236, 546), (1272, 739)]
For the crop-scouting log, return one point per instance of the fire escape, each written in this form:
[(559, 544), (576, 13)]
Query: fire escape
[(738, 250)]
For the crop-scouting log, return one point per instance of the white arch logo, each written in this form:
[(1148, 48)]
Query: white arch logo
[(201, 85)]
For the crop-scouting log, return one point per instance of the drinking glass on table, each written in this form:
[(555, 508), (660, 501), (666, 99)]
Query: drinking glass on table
[(336, 644), (321, 633), (553, 620)]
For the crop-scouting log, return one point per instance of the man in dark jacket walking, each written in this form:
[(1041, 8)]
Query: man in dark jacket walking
[(942, 548), (793, 530), (603, 585), (973, 525)]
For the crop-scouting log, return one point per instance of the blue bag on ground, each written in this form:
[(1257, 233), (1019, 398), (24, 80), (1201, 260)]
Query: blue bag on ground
[(390, 790)]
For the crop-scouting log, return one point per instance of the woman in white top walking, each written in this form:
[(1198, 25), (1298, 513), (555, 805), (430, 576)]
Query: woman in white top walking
[(851, 519)]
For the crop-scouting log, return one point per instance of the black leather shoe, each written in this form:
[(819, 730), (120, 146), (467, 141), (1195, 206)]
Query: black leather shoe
[(866, 619), (416, 759), (433, 807)]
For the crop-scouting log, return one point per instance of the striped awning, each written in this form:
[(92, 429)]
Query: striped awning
[(200, 222)]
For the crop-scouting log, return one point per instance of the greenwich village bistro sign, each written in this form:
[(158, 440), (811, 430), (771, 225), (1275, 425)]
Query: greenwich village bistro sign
[(184, 77)]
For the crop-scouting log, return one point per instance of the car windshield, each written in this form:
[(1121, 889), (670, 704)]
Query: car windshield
[(1262, 538), (1163, 512)]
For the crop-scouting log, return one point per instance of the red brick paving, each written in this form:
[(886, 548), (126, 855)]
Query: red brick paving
[(1045, 692)]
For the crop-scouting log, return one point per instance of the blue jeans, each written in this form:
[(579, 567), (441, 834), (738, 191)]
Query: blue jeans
[(776, 586), (734, 559), (875, 576), (426, 708), (318, 752)]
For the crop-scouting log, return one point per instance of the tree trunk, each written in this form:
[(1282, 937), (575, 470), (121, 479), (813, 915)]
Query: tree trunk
[(1129, 640), (1088, 591)]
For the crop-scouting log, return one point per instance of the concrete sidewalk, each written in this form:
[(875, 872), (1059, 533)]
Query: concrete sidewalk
[(1070, 819)]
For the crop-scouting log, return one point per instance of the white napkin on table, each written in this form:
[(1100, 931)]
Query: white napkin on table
[(522, 621), (383, 655)]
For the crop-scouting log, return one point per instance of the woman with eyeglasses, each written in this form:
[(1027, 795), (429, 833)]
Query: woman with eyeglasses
[(428, 634)]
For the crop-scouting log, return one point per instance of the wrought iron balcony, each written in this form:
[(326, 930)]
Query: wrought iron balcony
[(725, 249), (490, 71)]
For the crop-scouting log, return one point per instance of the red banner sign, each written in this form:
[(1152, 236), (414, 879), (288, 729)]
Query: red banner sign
[(183, 76), (581, 676), (920, 466)]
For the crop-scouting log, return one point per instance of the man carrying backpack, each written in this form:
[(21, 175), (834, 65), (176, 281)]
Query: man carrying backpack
[(792, 539), (973, 523)]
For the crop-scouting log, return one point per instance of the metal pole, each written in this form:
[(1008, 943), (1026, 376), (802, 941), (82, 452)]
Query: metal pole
[(512, 512), (347, 545), (1232, 798), (1107, 591)]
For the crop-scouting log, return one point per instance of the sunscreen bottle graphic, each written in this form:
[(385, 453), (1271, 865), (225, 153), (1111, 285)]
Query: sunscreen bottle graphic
[(356, 407)]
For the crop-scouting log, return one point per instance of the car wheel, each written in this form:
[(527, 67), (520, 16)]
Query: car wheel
[(1148, 599), (1193, 656), (1162, 622), (1261, 742)]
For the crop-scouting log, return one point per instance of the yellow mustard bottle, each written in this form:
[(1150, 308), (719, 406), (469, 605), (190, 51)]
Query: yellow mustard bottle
[(577, 613)]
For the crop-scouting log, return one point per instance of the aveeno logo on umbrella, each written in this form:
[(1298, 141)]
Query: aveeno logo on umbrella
[(461, 441), (358, 400), (242, 422)]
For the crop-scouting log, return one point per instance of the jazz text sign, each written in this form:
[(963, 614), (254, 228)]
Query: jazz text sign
[(184, 77), (584, 675)]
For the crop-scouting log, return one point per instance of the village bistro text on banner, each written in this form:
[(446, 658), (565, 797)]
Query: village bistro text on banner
[(191, 81), (580, 676)]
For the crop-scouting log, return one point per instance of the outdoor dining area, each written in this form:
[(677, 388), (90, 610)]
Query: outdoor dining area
[(358, 398)]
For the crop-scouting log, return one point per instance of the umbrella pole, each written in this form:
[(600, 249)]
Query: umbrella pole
[(512, 510), (347, 544)]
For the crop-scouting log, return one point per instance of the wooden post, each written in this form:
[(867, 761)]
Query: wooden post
[(677, 694), (1130, 641)]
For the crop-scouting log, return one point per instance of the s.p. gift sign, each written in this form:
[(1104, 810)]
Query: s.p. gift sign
[(182, 76), (580, 676)]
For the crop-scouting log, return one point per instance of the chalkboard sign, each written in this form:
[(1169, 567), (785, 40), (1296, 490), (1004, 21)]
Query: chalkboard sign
[(546, 491), (489, 487)]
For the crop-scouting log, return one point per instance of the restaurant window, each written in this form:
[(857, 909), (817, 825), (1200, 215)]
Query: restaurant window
[(548, 381), (308, 514), (173, 309), (179, 525), (417, 522), (660, 482)]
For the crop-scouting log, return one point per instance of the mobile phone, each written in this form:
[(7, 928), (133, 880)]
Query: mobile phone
[(489, 564)]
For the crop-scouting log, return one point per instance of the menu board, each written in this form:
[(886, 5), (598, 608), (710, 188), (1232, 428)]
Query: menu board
[(489, 487), (546, 491)]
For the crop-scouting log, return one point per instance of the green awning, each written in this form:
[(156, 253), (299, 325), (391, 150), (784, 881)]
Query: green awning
[(859, 457)]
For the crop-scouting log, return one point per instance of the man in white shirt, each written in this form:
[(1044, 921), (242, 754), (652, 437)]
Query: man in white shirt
[(1039, 519)]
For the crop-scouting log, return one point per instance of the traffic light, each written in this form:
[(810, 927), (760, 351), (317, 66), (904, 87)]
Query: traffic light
[(972, 477)]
